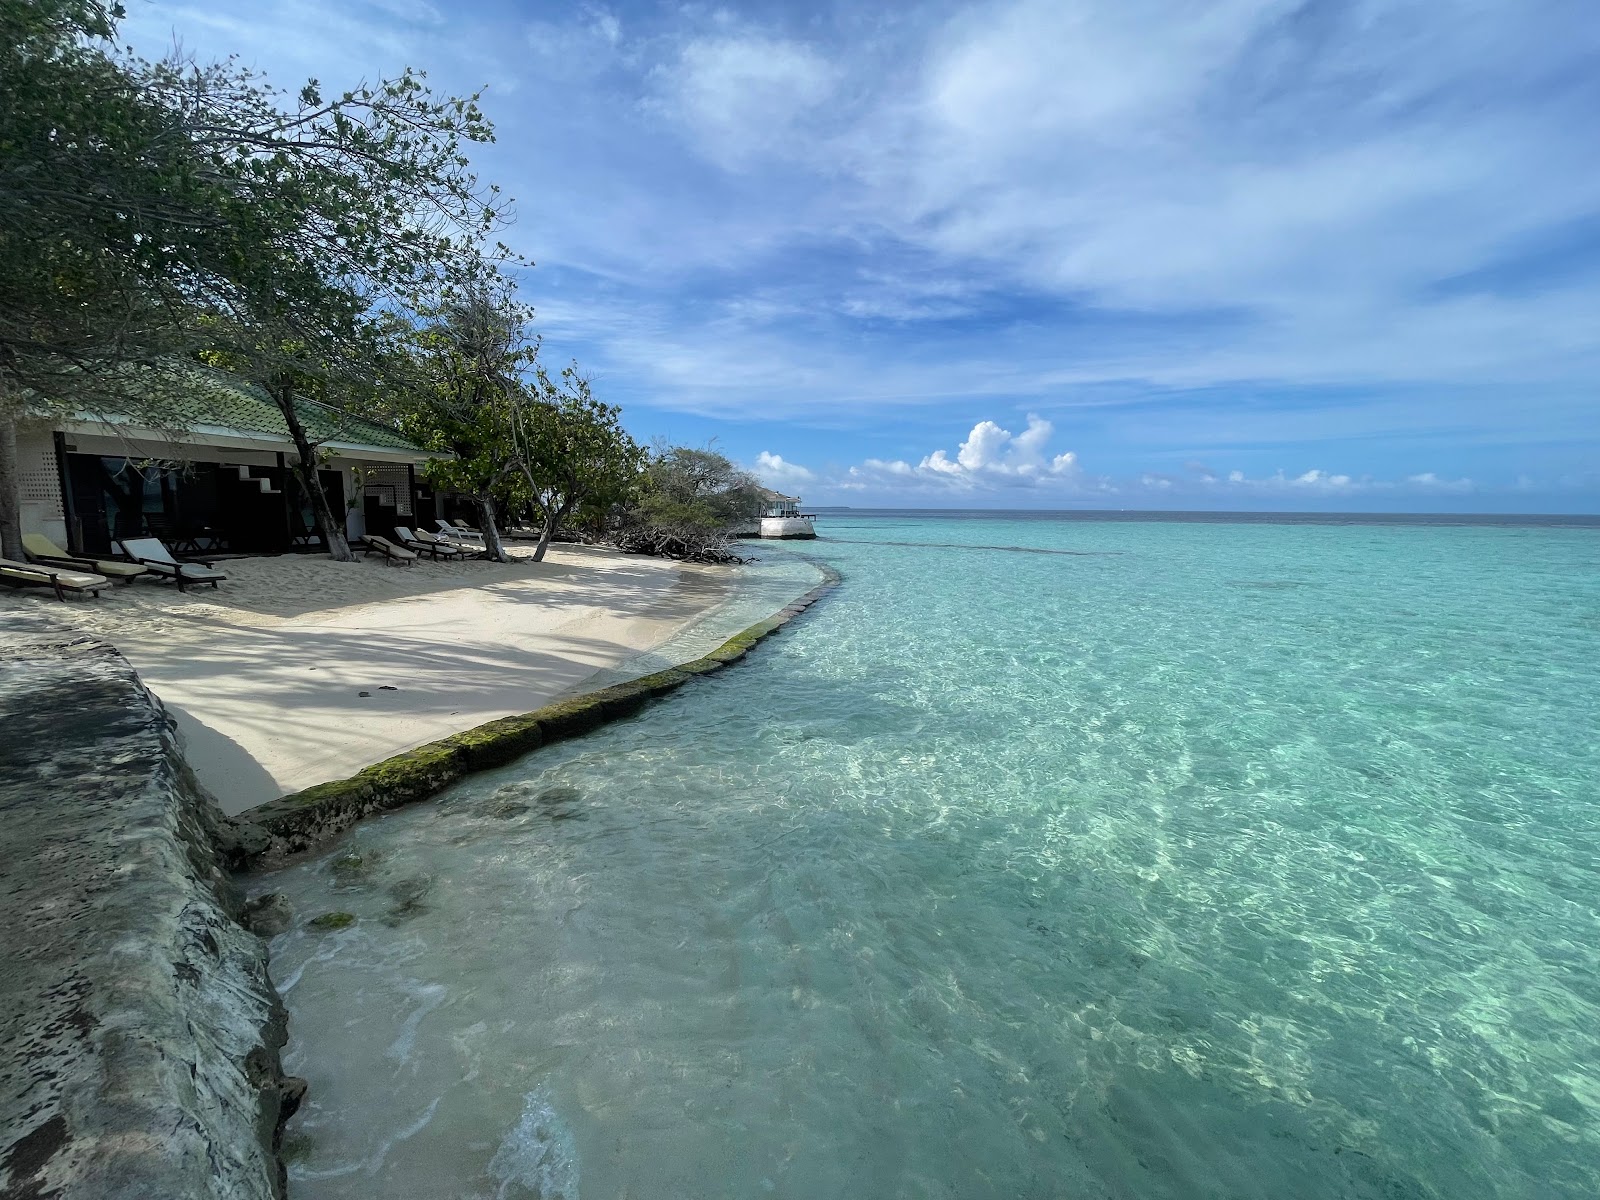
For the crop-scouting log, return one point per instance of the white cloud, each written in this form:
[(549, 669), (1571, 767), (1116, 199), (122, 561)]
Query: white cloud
[(1223, 153), (1428, 480), (743, 95), (991, 458), (605, 24), (774, 471), (418, 11), (995, 454), (992, 461), (1333, 483)]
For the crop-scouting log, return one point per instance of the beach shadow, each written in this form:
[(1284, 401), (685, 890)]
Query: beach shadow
[(234, 778)]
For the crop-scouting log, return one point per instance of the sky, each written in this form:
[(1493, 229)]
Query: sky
[(1239, 254)]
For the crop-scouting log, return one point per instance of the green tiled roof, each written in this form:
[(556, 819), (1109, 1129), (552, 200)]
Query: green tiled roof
[(213, 397), (192, 396)]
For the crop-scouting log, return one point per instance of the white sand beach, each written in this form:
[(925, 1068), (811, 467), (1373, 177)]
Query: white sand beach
[(300, 669)]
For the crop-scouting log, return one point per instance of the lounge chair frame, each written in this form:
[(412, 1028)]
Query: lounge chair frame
[(172, 567), (422, 542), (20, 574), (373, 544)]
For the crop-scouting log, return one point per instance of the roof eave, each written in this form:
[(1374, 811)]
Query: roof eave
[(223, 438)]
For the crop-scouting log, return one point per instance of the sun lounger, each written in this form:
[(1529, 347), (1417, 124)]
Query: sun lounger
[(20, 574), (463, 533), (464, 549), (372, 544), (42, 550), (426, 545), (152, 554)]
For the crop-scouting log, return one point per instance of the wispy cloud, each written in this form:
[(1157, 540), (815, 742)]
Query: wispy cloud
[(742, 96)]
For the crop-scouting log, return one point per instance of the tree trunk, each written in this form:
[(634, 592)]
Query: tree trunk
[(551, 517), (491, 532), (10, 486), (329, 526)]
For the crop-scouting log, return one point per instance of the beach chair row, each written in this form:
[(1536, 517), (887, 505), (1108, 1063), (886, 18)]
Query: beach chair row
[(407, 545), (50, 566)]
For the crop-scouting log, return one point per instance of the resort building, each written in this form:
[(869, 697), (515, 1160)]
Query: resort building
[(781, 517), (220, 479)]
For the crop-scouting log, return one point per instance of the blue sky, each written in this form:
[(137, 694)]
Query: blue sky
[(1074, 253)]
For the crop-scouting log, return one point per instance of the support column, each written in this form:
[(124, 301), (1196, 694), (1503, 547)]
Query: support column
[(289, 492), (69, 509)]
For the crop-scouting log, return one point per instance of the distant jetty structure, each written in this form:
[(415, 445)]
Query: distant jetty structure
[(781, 517)]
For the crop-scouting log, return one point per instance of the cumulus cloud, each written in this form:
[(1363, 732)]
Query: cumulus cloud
[(991, 458), (993, 454), (774, 471)]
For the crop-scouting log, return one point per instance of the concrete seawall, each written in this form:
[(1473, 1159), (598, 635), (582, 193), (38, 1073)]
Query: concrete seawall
[(139, 1032)]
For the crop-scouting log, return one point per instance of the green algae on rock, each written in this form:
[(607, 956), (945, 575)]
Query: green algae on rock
[(329, 921), (306, 818)]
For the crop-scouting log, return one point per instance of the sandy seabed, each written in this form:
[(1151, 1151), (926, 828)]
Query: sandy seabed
[(299, 669)]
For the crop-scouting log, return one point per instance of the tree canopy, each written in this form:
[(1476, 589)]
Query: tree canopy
[(466, 386), (148, 209), (332, 246), (687, 504), (572, 451)]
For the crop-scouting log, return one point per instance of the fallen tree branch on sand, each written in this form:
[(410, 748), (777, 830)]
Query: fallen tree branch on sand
[(665, 541)]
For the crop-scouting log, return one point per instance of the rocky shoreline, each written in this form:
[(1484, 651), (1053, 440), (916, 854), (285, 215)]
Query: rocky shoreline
[(140, 1031)]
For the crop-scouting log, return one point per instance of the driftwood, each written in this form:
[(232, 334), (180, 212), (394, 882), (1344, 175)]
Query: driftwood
[(685, 544)]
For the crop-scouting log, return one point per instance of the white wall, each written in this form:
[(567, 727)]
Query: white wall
[(40, 485)]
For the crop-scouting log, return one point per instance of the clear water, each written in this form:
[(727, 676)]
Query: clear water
[(1043, 858)]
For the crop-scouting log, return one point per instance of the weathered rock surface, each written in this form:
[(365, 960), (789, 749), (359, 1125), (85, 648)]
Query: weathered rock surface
[(267, 916), (139, 1032)]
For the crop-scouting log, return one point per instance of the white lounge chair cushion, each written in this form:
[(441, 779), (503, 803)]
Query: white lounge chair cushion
[(158, 558)]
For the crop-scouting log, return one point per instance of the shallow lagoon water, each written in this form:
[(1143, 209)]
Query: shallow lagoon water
[(1190, 860)]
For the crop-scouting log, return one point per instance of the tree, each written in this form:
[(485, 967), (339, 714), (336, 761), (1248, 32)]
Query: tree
[(102, 202), (687, 502), (698, 486), (151, 209), (571, 450), (468, 398), (338, 214)]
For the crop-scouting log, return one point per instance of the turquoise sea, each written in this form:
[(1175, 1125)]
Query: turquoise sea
[(1045, 857)]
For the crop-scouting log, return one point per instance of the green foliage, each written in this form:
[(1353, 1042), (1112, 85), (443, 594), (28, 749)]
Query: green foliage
[(147, 207), (465, 386), (572, 450), (695, 488), (101, 200)]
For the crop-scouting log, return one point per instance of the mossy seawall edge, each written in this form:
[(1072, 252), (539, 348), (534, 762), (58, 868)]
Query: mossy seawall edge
[(305, 819)]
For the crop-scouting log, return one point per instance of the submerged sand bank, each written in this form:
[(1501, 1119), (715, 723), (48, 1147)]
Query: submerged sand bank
[(265, 675)]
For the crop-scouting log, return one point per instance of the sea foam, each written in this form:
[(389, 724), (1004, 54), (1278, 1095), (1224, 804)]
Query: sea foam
[(539, 1157)]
